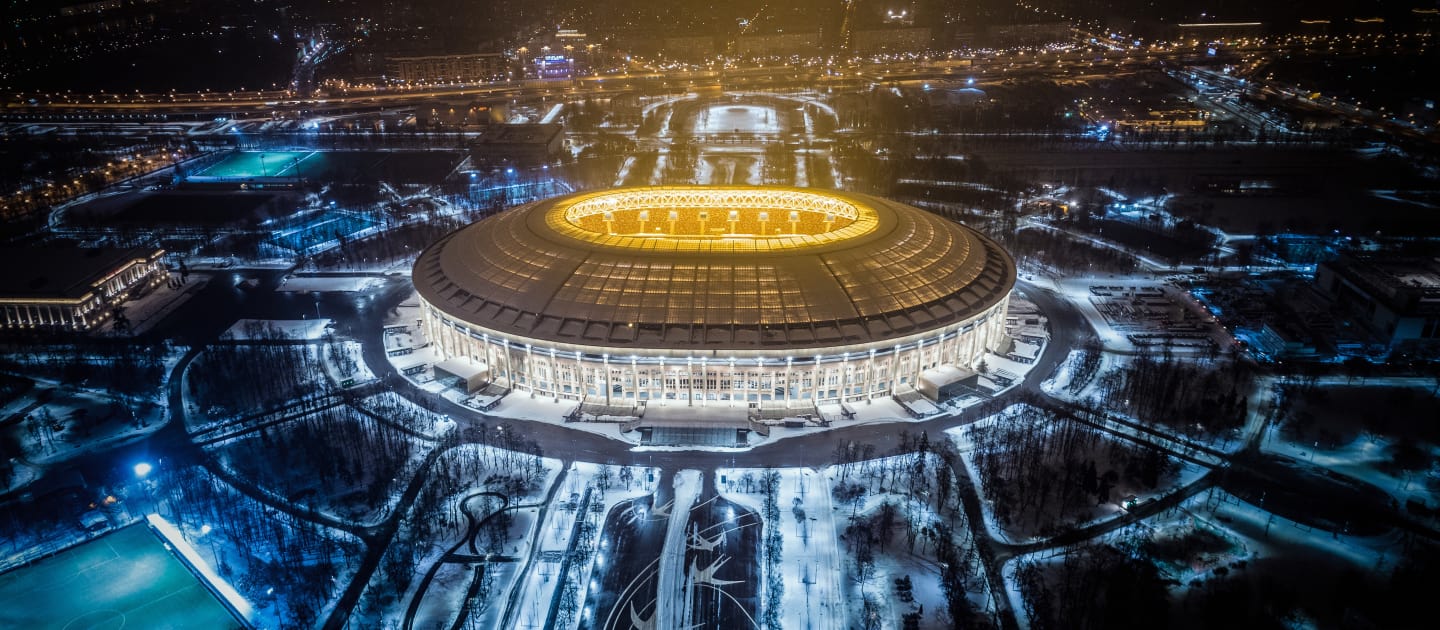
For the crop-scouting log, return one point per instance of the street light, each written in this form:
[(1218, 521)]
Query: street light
[(141, 470)]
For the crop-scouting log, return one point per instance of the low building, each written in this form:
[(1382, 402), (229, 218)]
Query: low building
[(517, 144), (455, 114), (1395, 298), (688, 47), (892, 40), (69, 288), (692, 48), (778, 44), (474, 68), (1283, 340), (1210, 32), (1029, 34), (1179, 118)]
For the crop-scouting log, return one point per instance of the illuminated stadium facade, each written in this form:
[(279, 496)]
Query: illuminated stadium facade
[(775, 297)]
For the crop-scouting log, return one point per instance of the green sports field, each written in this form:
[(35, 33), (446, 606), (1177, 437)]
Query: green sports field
[(259, 164), (402, 166), (126, 579)]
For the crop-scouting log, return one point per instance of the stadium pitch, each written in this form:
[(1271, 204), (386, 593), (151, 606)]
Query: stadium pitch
[(260, 164), (125, 579)]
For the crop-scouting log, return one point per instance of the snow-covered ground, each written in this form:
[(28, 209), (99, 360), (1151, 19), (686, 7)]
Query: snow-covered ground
[(616, 494), (543, 581), (344, 284), (401, 411), (1063, 383), (737, 119), (266, 563), (815, 564), (276, 329), (152, 308), (671, 567), (72, 422), (1365, 429), (1307, 560), (344, 364), (812, 561), (893, 561), (1366, 459), (460, 472), (1027, 529)]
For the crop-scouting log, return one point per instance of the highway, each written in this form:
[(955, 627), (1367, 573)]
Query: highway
[(985, 69)]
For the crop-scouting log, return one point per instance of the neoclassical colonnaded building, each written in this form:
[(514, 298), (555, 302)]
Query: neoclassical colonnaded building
[(706, 295)]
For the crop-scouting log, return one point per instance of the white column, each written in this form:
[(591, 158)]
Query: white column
[(554, 376), (734, 382), (581, 385), (919, 361), (509, 363), (815, 378), (530, 369), (789, 363), (760, 389), (690, 373), (635, 379), (870, 377)]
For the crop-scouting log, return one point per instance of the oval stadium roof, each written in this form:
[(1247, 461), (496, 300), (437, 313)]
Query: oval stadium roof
[(713, 268)]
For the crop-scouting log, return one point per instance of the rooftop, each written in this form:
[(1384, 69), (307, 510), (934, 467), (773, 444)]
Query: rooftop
[(519, 134), (848, 269), (61, 272)]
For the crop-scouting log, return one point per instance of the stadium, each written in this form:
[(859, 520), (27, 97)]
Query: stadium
[(713, 295)]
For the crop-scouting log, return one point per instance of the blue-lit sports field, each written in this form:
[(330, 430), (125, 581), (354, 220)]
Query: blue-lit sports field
[(260, 164), (343, 166), (126, 579)]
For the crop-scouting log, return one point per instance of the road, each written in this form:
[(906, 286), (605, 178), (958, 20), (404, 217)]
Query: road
[(983, 68)]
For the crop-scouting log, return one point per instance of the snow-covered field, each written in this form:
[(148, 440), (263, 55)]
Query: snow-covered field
[(1034, 521), (401, 411), (812, 562), (737, 119), (70, 423), (278, 329), (817, 568)]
